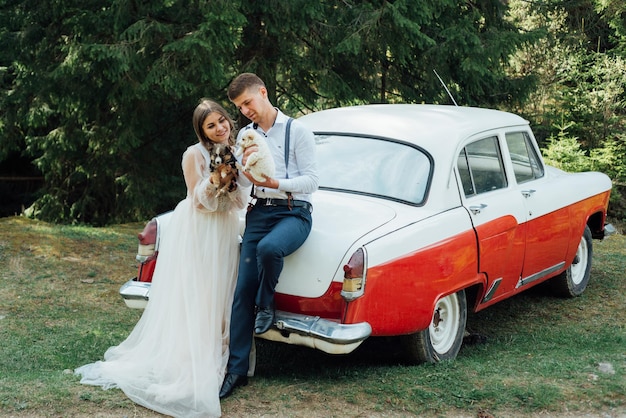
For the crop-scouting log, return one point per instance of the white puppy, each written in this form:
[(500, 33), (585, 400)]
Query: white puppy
[(260, 163)]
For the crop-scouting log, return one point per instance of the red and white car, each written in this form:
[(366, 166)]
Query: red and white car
[(424, 214)]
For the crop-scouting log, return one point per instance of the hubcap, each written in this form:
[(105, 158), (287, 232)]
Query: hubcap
[(444, 327)]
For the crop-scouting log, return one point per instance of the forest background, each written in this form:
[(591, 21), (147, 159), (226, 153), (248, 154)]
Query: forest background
[(96, 96)]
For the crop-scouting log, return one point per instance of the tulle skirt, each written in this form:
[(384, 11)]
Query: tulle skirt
[(174, 360)]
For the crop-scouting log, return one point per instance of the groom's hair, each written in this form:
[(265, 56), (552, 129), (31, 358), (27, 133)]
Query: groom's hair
[(242, 83)]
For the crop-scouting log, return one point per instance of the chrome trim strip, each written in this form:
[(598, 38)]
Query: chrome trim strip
[(526, 280), (492, 289)]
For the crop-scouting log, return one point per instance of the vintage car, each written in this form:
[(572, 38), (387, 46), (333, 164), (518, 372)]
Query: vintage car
[(424, 213)]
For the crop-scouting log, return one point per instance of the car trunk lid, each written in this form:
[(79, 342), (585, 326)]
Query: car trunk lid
[(338, 221)]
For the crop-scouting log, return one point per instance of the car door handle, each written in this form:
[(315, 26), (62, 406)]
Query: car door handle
[(528, 193), (476, 209)]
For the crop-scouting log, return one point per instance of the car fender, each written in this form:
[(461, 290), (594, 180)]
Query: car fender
[(438, 256)]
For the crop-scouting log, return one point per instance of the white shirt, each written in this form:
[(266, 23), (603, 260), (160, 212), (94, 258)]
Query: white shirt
[(302, 180)]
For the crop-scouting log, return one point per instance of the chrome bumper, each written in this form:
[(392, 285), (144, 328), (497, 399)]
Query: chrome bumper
[(135, 294), (318, 333), (609, 230), (290, 328)]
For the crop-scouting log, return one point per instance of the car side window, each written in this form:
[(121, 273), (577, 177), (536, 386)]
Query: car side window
[(526, 163), (480, 167)]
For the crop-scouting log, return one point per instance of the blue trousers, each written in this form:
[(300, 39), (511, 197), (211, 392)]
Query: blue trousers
[(272, 233)]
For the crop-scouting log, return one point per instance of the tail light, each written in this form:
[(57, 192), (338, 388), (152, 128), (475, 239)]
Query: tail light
[(147, 241), (354, 276), (146, 251)]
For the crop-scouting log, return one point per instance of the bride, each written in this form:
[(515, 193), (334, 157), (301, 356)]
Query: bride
[(174, 360)]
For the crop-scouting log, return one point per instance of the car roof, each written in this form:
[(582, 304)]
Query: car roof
[(421, 124)]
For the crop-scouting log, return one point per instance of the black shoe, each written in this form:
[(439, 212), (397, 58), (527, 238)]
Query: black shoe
[(232, 381), (264, 320)]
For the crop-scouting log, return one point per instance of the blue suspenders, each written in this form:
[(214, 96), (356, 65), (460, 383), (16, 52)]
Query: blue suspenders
[(287, 135)]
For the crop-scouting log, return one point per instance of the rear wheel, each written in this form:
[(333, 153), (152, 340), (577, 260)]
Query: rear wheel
[(443, 338), (573, 281)]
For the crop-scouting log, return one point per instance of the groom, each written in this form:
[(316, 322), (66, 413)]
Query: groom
[(277, 224)]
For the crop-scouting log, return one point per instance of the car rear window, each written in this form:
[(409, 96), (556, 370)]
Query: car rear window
[(373, 166)]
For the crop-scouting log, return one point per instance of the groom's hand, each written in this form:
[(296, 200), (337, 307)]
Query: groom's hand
[(269, 182), (247, 152)]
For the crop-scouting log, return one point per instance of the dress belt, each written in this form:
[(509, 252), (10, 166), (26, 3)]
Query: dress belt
[(284, 202)]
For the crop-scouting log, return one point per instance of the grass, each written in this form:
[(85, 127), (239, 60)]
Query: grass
[(60, 308)]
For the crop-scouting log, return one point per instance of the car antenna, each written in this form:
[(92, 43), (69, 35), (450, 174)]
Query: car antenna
[(444, 86)]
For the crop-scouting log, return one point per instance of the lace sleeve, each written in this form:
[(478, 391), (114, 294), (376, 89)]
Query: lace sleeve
[(240, 196), (199, 186)]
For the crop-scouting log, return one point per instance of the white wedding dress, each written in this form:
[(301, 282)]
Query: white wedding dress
[(174, 360)]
